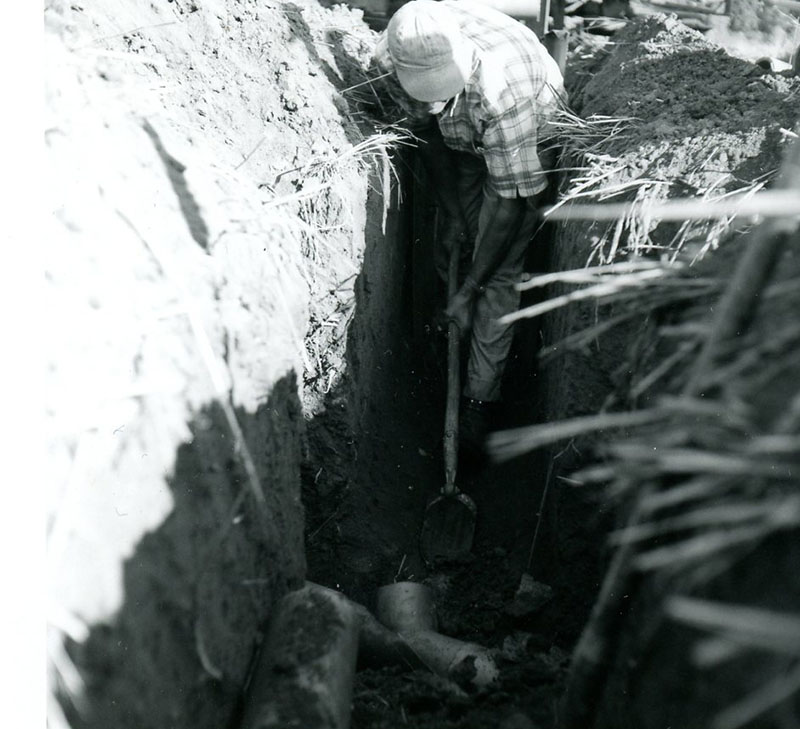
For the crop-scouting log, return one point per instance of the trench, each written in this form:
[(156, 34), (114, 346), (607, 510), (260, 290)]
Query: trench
[(179, 569), (363, 532)]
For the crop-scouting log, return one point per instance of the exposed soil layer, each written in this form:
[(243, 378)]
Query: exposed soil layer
[(704, 121), (701, 124), (232, 288), (196, 155)]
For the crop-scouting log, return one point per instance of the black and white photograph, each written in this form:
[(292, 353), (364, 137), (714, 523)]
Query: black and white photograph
[(410, 363)]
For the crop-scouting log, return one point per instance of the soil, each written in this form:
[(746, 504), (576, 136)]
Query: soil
[(191, 151), (227, 276)]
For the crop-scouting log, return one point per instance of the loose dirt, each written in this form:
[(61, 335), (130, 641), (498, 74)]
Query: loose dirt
[(699, 119), (220, 253)]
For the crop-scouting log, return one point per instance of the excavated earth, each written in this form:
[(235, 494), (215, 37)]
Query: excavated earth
[(242, 391), (212, 225), (699, 120)]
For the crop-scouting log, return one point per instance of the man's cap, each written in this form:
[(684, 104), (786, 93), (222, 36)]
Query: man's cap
[(431, 57)]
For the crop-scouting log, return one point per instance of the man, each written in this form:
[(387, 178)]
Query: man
[(492, 87)]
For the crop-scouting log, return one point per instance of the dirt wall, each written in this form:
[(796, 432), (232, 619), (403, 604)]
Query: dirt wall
[(700, 124), (209, 222), (346, 459)]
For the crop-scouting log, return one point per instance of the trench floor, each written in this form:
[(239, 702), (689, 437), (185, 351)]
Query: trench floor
[(375, 542)]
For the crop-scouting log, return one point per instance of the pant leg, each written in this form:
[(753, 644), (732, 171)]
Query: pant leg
[(490, 343)]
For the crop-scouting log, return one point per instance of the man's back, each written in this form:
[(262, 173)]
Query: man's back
[(515, 58), (514, 89)]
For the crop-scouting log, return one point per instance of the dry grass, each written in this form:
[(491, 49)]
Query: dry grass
[(328, 226), (606, 288), (734, 630), (590, 136), (597, 175), (711, 477), (710, 468), (751, 203)]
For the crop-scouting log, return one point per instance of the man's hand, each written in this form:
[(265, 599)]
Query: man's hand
[(460, 307)]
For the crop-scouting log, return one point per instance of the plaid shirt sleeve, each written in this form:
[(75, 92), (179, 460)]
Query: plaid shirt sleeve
[(510, 148)]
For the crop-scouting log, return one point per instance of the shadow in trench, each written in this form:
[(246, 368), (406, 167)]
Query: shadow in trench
[(199, 587), (371, 455), (375, 455)]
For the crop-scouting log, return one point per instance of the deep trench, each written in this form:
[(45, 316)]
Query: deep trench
[(178, 649), (364, 533)]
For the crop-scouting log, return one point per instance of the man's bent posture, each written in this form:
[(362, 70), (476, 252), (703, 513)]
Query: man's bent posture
[(492, 87)]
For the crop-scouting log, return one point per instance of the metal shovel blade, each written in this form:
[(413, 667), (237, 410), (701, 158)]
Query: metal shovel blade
[(448, 529)]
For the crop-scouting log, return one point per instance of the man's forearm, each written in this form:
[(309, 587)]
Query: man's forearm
[(505, 216), (503, 220)]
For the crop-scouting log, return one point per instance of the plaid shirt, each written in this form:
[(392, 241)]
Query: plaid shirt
[(503, 111)]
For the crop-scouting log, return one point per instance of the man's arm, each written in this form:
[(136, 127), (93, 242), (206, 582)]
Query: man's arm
[(510, 149), (505, 217)]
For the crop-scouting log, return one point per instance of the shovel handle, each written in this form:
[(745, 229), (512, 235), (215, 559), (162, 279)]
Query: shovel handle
[(453, 381)]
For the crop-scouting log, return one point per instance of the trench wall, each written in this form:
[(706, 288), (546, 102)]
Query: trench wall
[(340, 465), (699, 120), (209, 223), (702, 121)]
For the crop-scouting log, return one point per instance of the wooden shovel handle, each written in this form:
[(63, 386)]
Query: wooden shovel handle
[(453, 381)]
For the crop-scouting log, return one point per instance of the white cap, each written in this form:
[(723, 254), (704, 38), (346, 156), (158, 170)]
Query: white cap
[(431, 56)]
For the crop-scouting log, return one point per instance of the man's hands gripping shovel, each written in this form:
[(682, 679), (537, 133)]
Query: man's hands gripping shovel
[(501, 219), (461, 306)]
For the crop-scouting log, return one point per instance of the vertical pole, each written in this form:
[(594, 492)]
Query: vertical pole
[(544, 15), (453, 380), (556, 40), (557, 43), (558, 14)]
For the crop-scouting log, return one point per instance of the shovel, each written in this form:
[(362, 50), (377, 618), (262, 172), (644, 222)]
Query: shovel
[(449, 524)]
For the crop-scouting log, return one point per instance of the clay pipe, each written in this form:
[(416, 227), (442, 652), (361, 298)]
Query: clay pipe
[(406, 636), (407, 607), (378, 646), (304, 675)]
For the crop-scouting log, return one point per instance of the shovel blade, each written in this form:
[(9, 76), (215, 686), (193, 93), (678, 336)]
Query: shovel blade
[(448, 529)]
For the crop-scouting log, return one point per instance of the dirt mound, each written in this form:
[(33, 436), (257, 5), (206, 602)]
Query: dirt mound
[(676, 117), (677, 84), (209, 201)]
